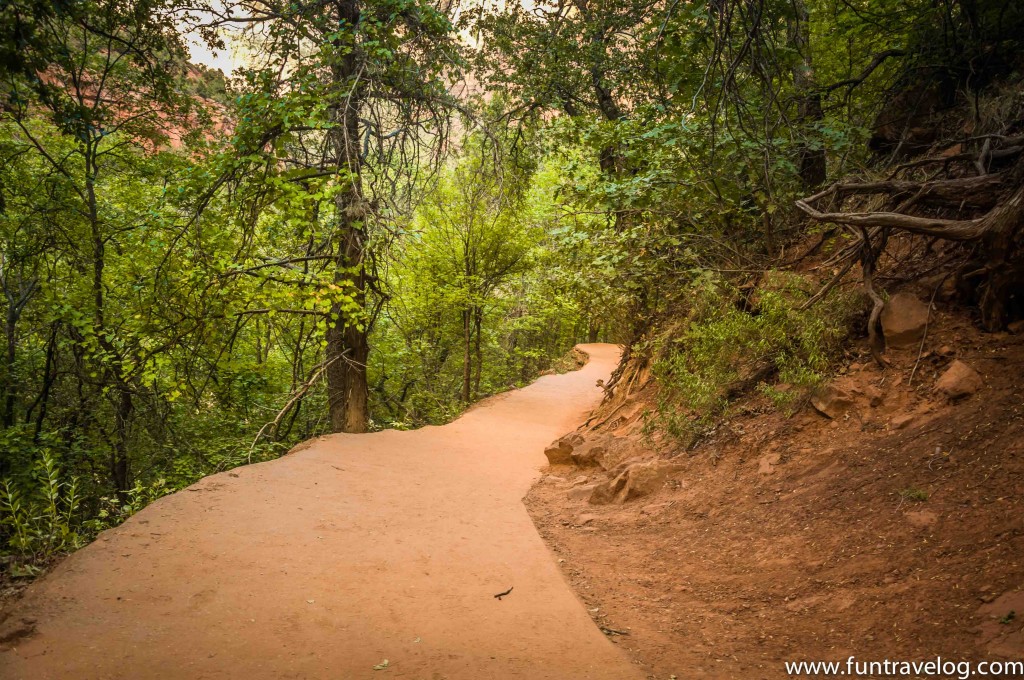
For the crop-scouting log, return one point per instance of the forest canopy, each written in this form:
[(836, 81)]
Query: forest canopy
[(397, 207)]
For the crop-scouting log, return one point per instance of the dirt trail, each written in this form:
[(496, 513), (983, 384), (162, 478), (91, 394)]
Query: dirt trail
[(322, 564)]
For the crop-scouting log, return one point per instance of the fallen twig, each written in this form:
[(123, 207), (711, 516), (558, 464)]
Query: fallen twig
[(501, 595)]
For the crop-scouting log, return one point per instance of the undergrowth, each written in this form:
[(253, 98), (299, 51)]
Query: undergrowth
[(731, 344), (43, 515)]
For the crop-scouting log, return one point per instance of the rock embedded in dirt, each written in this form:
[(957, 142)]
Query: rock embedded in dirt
[(904, 319), (589, 456), (872, 394), (639, 479), (901, 421), (1016, 327), (584, 519), (766, 464), (605, 452), (959, 381), (831, 401), (581, 492), (560, 452)]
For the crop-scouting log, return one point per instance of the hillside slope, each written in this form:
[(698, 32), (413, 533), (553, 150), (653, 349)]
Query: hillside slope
[(892, 531)]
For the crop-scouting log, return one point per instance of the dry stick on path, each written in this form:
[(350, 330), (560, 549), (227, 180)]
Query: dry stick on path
[(501, 595)]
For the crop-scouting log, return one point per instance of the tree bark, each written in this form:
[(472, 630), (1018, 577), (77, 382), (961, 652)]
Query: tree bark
[(467, 355), (347, 343), (812, 162), (478, 323)]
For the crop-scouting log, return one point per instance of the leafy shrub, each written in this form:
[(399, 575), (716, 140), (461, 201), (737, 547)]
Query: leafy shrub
[(40, 515), (724, 349), (43, 514)]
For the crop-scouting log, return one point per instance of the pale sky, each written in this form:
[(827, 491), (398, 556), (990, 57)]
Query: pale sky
[(200, 53), (234, 55)]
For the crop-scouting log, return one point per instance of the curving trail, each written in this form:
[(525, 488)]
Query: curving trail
[(355, 549)]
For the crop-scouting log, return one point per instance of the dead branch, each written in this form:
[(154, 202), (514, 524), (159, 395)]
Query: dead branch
[(270, 429), (877, 61)]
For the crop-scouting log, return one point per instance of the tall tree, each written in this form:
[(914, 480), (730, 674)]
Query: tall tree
[(358, 92)]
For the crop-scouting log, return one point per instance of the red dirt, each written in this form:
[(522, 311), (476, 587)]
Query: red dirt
[(810, 539), (351, 550)]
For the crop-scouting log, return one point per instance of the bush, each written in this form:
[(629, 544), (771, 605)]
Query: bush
[(39, 516), (725, 349), (42, 514)]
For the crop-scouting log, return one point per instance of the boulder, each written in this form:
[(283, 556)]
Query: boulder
[(560, 452), (637, 480), (831, 401), (959, 380), (904, 319), (589, 456), (603, 451)]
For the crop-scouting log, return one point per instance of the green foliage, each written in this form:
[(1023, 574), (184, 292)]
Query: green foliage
[(729, 344), (170, 286), (40, 514), (471, 310)]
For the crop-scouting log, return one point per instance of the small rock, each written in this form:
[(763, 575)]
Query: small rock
[(584, 519), (639, 479), (959, 380), (873, 395), (902, 421), (1016, 327), (582, 479), (766, 464), (578, 493), (831, 401), (559, 453), (590, 456), (904, 319)]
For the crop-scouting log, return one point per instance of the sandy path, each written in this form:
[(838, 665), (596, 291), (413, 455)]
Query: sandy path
[(321, 564)]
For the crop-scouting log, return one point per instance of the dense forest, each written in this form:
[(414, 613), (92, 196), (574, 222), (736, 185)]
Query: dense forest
[(394, 208)]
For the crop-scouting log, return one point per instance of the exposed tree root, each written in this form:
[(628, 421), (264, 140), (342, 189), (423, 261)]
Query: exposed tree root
[(997, 230)]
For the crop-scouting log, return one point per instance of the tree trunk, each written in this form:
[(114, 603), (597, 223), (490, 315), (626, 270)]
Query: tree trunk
[(347, 344), (467, 355), (812, 162), (119, 469), (12, 351), (1000, 244), (478, 321)]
